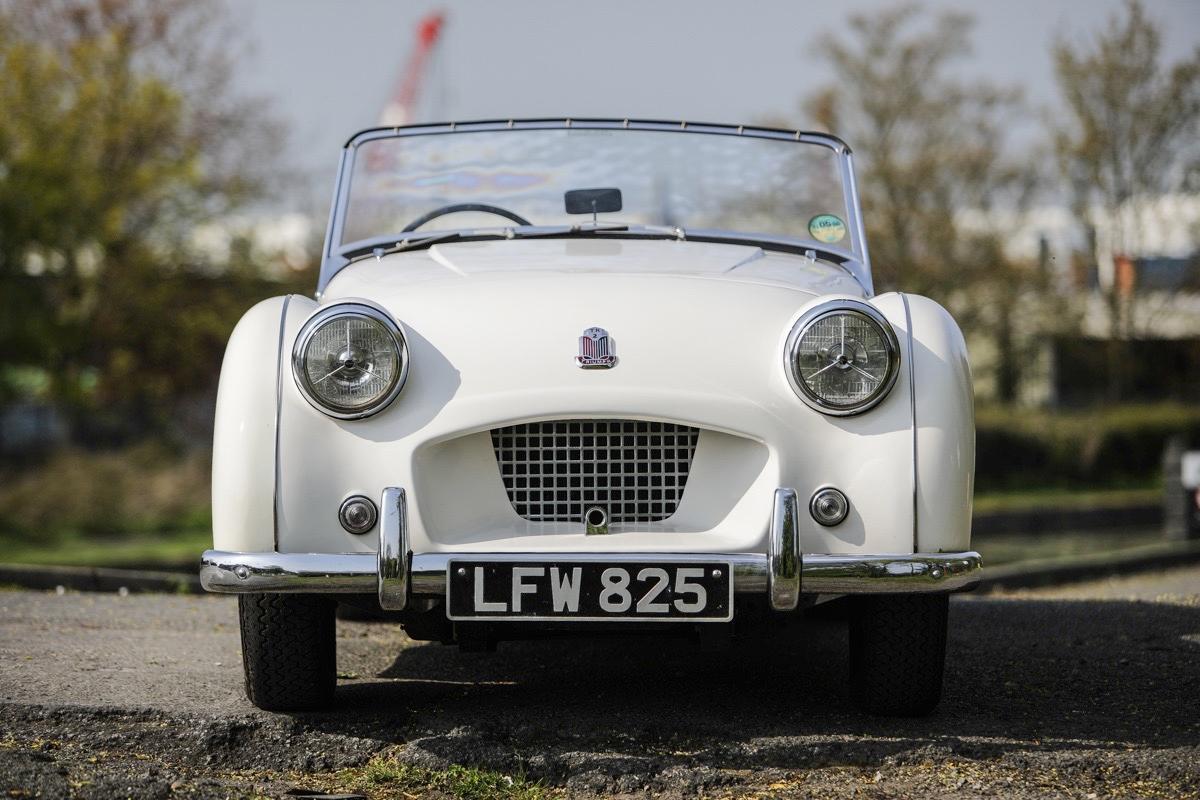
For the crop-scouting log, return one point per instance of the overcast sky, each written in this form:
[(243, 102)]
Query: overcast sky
[(329, 67)]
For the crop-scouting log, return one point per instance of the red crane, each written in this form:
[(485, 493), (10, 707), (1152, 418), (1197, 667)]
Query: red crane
[(400, 106)]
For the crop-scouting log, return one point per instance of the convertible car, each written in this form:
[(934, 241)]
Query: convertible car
[(582, 376)]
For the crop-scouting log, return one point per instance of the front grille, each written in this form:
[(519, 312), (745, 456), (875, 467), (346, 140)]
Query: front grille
[(633, 469)]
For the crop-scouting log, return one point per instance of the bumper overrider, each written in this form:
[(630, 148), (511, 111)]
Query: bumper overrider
[(395, 573)]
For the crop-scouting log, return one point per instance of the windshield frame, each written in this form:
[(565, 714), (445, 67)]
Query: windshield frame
[(337, 255)]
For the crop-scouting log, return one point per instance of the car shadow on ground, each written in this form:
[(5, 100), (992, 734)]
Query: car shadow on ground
[(1022, 675)]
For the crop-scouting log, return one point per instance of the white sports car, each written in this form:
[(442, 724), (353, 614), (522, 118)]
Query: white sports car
[(585, 375)]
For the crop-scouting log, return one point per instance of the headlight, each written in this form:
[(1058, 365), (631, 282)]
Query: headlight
[(842, 357), (350, 360)]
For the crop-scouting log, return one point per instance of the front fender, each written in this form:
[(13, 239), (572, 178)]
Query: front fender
[(244, 433), (944, 428)]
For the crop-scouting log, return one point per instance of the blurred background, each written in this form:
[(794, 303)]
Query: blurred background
[(1033, 165)]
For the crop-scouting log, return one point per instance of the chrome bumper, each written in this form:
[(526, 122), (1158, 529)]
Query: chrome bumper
[(395, 573)]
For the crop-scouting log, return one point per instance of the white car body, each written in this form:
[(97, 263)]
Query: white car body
[(700, 328), (492, 330)]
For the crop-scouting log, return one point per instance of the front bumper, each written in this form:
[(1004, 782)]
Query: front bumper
[(395, 573)]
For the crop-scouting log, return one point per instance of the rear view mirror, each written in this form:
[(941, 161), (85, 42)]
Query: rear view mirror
[(593, 201)]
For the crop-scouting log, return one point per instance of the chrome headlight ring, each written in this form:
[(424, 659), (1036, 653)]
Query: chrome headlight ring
[(859, 312), (371, 368)]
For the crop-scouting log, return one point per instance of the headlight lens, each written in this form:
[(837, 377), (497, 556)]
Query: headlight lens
[(843, 358), (350, 360)]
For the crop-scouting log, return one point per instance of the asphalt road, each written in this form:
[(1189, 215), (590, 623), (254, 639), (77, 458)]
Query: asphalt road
[(1087, 691)]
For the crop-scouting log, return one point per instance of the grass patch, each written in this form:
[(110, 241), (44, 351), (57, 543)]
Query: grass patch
[(1110, 446), (145, 489), (1007, 548), (1053, 498), (141, 506), (175, 550), (385, 778)]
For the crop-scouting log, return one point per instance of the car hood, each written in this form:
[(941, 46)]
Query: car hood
[(484, 261), (494, 326), (493, 329)]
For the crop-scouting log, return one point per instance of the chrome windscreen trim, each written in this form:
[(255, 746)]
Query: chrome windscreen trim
[(857, 230), (332, 262), (784, 579), (392, 566), (600, 123), (333, 215)]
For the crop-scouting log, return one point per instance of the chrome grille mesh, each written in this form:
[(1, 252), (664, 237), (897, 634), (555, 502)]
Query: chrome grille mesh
[(554, 471)]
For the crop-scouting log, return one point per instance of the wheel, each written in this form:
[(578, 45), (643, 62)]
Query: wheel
[(898, 653), (289, 650)]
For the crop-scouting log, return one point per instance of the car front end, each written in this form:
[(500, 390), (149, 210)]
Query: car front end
[(491, 431)]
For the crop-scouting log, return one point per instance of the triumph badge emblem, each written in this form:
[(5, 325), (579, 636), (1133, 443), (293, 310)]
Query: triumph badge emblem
[(595, 350)]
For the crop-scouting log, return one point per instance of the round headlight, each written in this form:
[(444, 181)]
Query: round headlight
[(842, 358), (350, 360)]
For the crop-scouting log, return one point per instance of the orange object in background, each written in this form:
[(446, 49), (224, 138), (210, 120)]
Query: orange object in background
[(399, 110), (1125, 275)]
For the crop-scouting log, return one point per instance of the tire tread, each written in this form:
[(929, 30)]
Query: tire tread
[(288, 650), (898, 653)]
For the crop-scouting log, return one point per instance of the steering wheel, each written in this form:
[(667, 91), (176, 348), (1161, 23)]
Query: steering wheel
[(456, 207)]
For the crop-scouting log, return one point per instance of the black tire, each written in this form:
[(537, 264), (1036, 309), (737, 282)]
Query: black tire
[(898, 653), (289, 650)]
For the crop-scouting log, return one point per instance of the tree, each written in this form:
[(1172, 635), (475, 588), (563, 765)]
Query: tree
[(120, 135), (1130, 135), (938, 188)]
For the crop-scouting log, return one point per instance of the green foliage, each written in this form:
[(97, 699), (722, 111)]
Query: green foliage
[(1044, 546), (178, 549), (1114, 446), (383, 774), (929, 144), (940, 192), (1032, 497), (146, 489), (1128, 134), (1132, 127), (119, 137)]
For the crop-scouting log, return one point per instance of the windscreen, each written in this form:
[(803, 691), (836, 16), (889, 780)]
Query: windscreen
[(697, 181)]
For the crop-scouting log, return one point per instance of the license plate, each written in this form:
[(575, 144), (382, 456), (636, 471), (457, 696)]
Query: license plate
[(590, 591)]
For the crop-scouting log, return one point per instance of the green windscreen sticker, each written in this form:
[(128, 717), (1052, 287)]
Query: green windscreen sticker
[(827, 228)]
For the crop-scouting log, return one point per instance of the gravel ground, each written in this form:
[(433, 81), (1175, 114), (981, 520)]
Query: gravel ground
[(1084, 691)]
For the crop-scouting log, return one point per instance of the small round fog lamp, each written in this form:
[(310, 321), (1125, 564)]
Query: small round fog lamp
[(357, 514), (828, 506)]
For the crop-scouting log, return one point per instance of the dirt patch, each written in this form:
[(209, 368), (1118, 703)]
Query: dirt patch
[(102, 696)]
